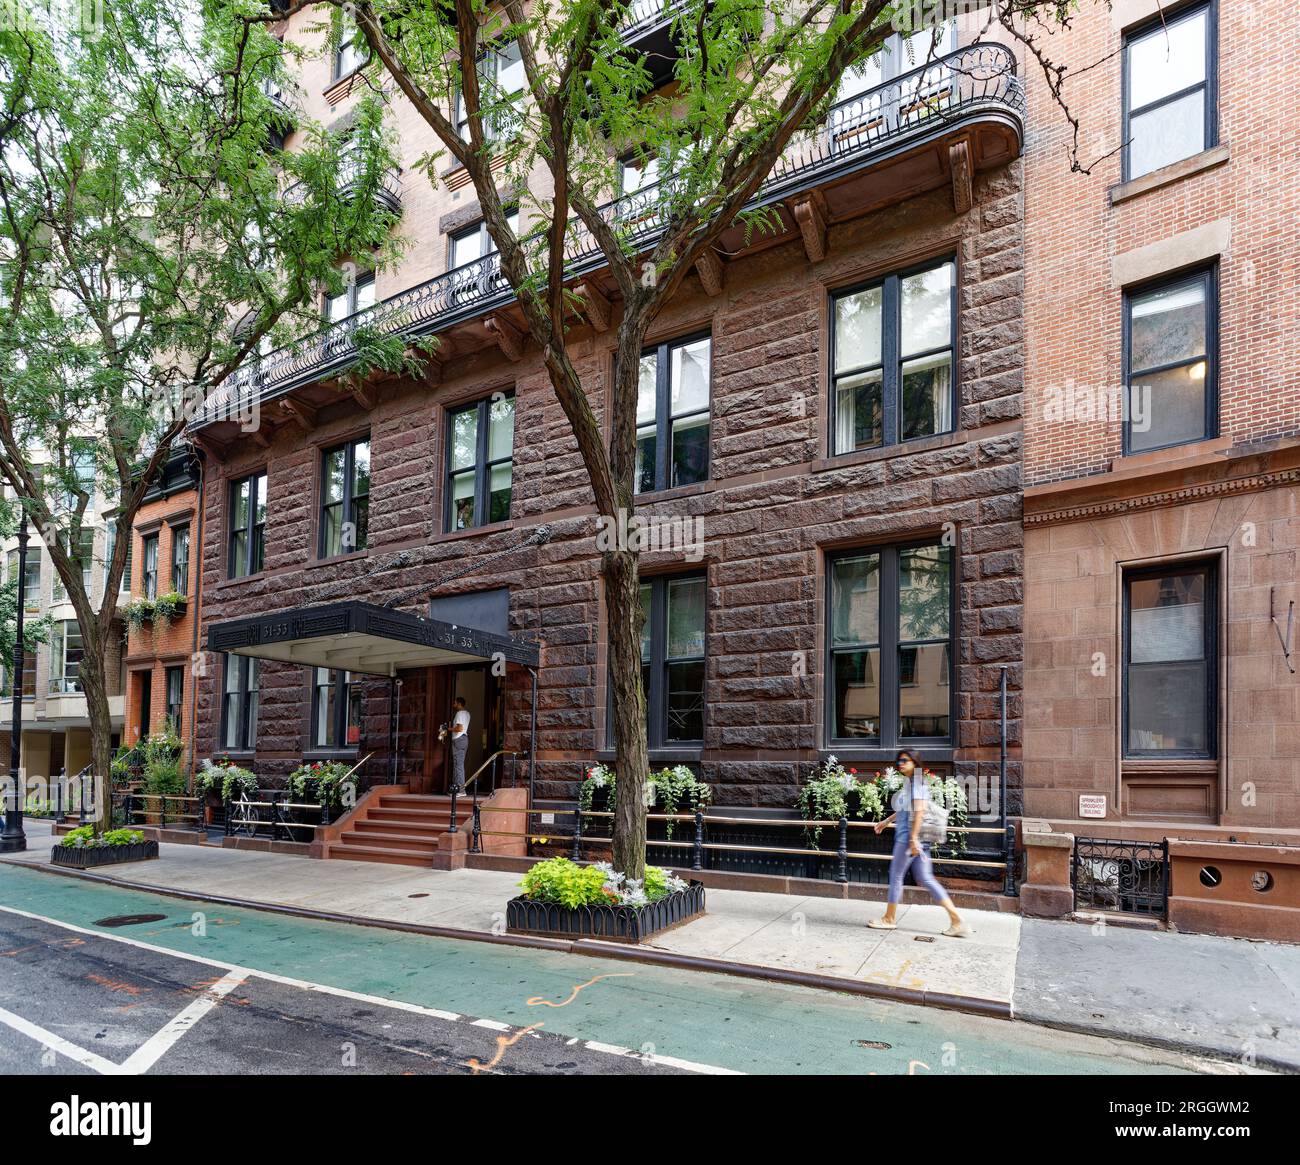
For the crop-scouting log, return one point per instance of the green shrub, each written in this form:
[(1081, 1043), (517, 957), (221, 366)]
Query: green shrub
[(84, 837), (565, 883), (334, 783), (226, 778)]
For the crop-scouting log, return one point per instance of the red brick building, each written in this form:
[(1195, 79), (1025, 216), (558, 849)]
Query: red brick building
[(1161, 543), (843, 401), (164, 567)]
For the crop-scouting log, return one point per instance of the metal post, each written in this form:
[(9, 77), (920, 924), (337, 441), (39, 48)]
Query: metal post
[(1002, 744), (532, 742), (475, 845), (1009, 853), (14, 839), (58, 815), (81, 798), (455, 792), (394, 728), (697, 859), (577, 833), (227, 815), (842, 874)]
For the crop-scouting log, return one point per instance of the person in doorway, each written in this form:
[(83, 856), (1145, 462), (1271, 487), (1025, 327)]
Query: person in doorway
[(459, 741), (909, 850)]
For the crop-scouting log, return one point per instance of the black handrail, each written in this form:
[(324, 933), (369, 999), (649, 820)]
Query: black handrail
[(883, 120)]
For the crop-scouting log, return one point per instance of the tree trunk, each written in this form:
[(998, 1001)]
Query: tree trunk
[(92, 677), (632, 762)]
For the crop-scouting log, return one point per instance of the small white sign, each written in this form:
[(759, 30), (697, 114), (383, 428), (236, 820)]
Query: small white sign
[(549, 818), (1092, 804)]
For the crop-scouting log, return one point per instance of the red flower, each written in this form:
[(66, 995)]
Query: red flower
[(854, 772)]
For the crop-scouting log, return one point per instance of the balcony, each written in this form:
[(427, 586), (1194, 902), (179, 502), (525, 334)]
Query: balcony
[(919, 132), (388, 193)]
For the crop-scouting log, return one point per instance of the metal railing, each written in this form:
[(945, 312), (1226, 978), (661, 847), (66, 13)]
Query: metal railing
[(880, 122), (1127, 877), (701, 848), (275, 816)]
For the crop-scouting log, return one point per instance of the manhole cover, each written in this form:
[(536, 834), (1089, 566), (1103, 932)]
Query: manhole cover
[(417, 895), (877, 1045), (923, 938), (130, 919)]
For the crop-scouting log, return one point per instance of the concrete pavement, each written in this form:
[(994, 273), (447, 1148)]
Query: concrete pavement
[(1233, 998)]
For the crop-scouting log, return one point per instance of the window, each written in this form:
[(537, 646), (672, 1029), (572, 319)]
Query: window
[(65, 657), (901, 53), (174, 689), (637, 173), (480, 443), (501, 79), (181, 559), (1170, 662), (1169, 99), (1171, 363), (239, 704), (889, 658), (672, 415), (83, 556), (358, 295), (32, 581), (29, 676), (247, 525), (474, 242), (335, 709), (124, 583), (345, 498), (83, 473), (351, 51), (149, 544), (144, 709), (672, 659), (892, 359)]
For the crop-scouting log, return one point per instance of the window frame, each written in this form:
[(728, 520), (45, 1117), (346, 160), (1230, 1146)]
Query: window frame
[(247, 735), (58, 683), (251, 529), (341, 684), (177, 672), (148, 575), (1209, 274), (181, 538), (656, 695), (487, 244), (364, 279), (1211, 635), (347, 45), (891, 354), (460, 113), (1157, 26), (482, 465), (889, 647), (664, 416), (347, 502)]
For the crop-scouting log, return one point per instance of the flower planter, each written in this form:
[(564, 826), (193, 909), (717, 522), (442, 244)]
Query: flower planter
[(83, 856), (628, 924)]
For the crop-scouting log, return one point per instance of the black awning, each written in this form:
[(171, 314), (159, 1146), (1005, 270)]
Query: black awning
[(360, 637)]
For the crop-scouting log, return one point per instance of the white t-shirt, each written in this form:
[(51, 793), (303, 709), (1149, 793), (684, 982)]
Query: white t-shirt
[(461, 718)]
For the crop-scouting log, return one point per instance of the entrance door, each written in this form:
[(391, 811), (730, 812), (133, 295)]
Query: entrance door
[(483, 697)]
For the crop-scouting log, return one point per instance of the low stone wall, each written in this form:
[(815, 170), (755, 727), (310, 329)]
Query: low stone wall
[(1251, 891)]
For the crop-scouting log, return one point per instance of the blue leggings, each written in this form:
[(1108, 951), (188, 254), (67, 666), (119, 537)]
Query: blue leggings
[(922, 870)]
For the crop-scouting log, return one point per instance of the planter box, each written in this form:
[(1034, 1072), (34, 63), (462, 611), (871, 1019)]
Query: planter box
[(82, 857), (628, 924)]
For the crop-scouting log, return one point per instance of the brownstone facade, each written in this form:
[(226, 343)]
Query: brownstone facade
[(775, 506)]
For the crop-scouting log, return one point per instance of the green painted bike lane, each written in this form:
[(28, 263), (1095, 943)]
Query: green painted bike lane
[(744, 1025)]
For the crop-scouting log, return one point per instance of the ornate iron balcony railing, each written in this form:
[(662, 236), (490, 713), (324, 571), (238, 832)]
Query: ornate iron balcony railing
[(978, 81)]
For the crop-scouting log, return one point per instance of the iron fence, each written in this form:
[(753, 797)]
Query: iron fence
[(1124, 877)]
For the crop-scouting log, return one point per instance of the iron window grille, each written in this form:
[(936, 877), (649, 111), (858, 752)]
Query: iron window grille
[(893, 370), (345, 498)]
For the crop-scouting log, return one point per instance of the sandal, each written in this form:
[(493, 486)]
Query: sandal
[(961, 930), (881, 924)]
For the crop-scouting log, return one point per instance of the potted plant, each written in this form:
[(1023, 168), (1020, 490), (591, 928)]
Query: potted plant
[(834, 791), (83, 847), (137, 613), (163, 779), (220, 781), (677, 790), (169, 606), (945, 791), (566, 900), (332, 783)]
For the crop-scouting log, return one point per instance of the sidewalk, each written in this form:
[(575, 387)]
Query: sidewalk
[(1230, 997)]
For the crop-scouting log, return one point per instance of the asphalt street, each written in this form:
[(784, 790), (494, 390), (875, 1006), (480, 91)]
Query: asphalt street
[(97, 979)]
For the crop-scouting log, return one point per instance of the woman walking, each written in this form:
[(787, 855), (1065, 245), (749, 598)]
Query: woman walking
[(909, 850)]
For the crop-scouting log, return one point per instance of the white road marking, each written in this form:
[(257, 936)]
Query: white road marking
[(58, 1044), (158, 1044), (340, 992)]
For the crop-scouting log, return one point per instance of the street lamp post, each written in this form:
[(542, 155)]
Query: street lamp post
[(13, 838)]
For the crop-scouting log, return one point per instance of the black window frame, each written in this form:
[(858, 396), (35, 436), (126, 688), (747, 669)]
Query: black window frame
[(174, 711), (181, 538), (889, 647), (342, 682), (1209, 274), (1211, 570), (149, 577), (255, 530), (364, 279), (347, 503), (1157, 26), (482, 466), (460, 112), (664, 416), (656, 695), (247, 727), (487, 244), (891, 355)]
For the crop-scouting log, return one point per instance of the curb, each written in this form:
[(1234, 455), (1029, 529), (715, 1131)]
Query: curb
[(973, 1005)]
